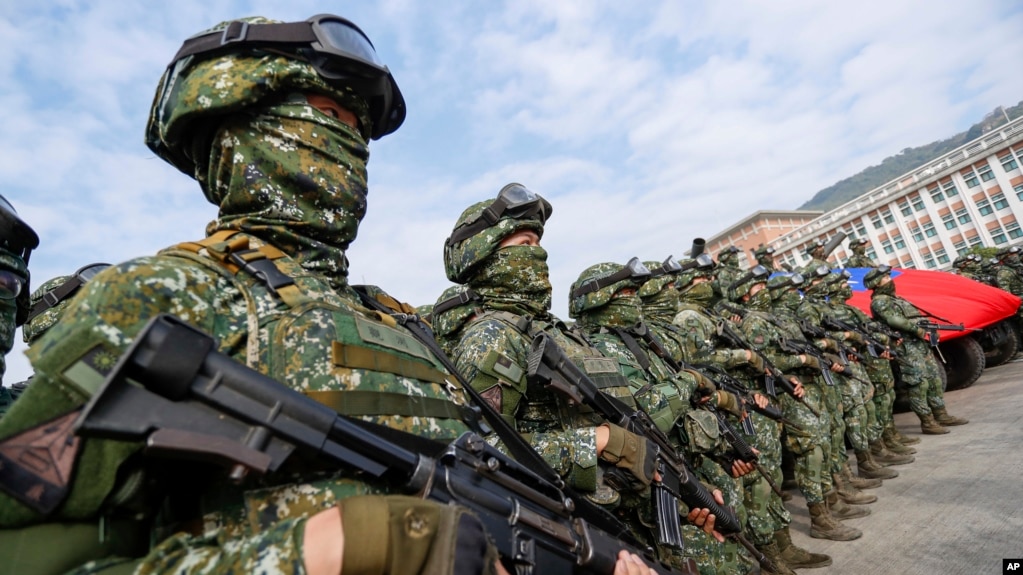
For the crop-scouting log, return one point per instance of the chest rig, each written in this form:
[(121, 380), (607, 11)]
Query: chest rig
[(543, 410), (325, 343)]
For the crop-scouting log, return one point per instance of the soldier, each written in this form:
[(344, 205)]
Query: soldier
[(274, 126), (726, 271), (18, 241), (859, 258), (454, 309), (764, 255), (605, 303), (917, 363), (815, 251), (494, 250)]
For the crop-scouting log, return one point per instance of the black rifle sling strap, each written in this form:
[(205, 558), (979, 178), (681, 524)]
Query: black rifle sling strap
[(511, 438)]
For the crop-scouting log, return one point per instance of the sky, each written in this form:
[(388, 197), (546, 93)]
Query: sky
[(645, 124)]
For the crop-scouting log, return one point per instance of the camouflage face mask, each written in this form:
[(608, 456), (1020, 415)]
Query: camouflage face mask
[(760, 301), (886, 289), (662, 306), (788, 299), (620, 311), (515, 279), (700, 294), (294, 176)]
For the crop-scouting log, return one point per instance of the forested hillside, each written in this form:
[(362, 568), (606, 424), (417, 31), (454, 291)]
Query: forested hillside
[(905, 161)]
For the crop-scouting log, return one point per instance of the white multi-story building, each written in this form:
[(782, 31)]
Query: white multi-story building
[(968, 197)]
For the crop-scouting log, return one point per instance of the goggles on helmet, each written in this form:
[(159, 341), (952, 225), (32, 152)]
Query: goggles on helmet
[(66, 289), (11, 285), (790, 281), (339, 51), (15, 235), (668, 266), (634, 270), (757, 272), (514, 200)]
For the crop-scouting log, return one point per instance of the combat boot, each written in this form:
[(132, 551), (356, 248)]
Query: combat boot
[(931, 427), (893, 444), (796, 557), (867, 467), (824, 526), (841, 510), (903, 438), (942, 416), (859, 482), (770, 550), (849, 494), (886, 457)]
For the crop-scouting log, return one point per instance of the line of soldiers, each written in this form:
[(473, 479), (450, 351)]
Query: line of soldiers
[(273, 121)]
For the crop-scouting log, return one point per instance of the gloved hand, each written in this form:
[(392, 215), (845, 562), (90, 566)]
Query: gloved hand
[(756, 361), (408, 535), (855, 337), (811, 361), (632, 452)]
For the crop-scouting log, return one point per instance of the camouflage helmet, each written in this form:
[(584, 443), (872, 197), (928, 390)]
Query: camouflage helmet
[(455, 306), (815, 246), (859, 246), (661, 274), (49, 301), (875, 275), (481, 227), (740, 287), (702, 266), (599, 283), (242, 63), (17, 240), (784, 281), (728, 255)]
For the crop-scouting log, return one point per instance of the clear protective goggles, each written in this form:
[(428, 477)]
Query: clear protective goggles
[(339, 50), (668, 266), (634, 270), (65, 290), (15, 235), (11, 285), (514, 200)]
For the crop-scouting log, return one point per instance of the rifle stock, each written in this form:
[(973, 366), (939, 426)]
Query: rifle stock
[(173, 391)]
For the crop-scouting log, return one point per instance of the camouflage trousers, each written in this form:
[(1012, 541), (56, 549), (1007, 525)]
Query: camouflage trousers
[(880, 372), (765, 509), (919, 370), (854, 401), (837, 456), (810, 443)]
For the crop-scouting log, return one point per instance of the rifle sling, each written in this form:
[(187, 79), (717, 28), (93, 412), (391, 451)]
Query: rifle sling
[(511, 438), (357, 403)]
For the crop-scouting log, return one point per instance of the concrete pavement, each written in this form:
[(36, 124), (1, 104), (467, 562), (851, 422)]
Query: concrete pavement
[(958, 509)]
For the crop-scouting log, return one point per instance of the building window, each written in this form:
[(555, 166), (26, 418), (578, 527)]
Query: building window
[(876, 221), (918, 236), (900, 244), (929, 230), (929, 261), (950, 188), (949, 220), (871, 253), (963, 216), (908, 263), (936, 194), (918, 203), (1019, 191), (888, 217), (998, 236), (887, 245), (1008, 162), (960, 248), (942, 256), (985, 173), (984, 207), (905, 209), (1014, 230), (999, 201), (861, 230), (971, 179)]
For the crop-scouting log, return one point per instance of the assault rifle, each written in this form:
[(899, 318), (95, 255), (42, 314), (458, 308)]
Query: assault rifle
[(933, 328), (806, 348), (874, 347), (844, 351), (724, 381), (776, 377), (172, 390), (549, 366)]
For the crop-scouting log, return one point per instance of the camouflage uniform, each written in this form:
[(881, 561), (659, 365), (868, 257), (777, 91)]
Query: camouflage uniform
[(726, 272), (299, 207), (453, 310), (612, 321), (859, 258), (17, 240), (764, 255), (917, 364)]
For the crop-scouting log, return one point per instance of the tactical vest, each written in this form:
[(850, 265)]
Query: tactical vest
[(325, 343)]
